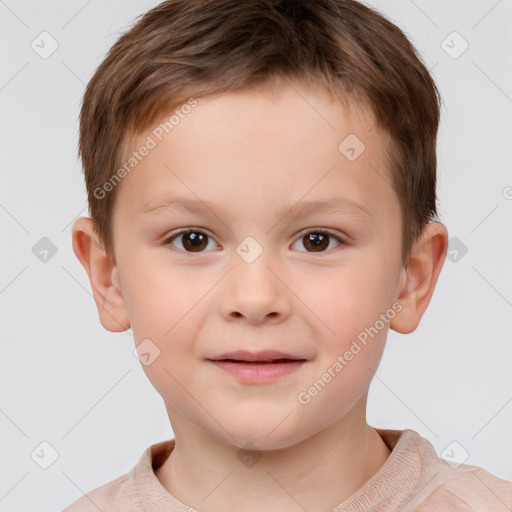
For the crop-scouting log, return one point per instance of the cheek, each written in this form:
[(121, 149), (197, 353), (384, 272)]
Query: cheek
[(345, 300), (344, 380), (156, 295), (163, 304), (170, 333)]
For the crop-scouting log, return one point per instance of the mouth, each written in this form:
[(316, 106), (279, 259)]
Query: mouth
[(273, 361), (257, 368), (263, 357)]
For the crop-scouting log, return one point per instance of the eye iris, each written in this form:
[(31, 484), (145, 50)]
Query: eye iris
[(317, 240), (197, 241)]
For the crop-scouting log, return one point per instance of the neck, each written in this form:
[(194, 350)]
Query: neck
[(317, 474)]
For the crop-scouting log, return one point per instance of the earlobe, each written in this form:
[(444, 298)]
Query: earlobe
[(103, 276), (419, 277)]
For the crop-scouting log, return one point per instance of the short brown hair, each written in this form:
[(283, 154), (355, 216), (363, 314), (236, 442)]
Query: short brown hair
[(191, 48)]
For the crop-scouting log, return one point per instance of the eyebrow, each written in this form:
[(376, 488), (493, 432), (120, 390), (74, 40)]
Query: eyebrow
[(300, 208)]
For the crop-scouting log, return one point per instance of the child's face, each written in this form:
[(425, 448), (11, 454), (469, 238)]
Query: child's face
[(252, 157)]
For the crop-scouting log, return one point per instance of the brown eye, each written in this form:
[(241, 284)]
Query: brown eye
[(195, 241), (318, 241), (191, 241)]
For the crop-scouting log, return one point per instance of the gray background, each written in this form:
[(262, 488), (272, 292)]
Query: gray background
[(66, 381)]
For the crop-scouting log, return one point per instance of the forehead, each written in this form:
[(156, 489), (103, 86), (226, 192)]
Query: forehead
[(260, 147)]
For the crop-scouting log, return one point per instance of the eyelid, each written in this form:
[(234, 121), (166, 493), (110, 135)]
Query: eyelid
[(167, 239), (328, 231), (341, 239)]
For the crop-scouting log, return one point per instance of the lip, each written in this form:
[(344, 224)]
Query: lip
[(262, 356), (258, 372), (257, 367)]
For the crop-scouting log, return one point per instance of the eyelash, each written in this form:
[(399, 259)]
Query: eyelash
[(168, 241)]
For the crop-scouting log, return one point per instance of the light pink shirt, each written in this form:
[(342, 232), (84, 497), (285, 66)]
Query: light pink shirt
[(414, 478)]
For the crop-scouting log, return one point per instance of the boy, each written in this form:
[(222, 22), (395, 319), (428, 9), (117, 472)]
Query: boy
[(261, 178)]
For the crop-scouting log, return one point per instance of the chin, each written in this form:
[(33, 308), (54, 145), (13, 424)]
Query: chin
[(261, 443), (264, 437)]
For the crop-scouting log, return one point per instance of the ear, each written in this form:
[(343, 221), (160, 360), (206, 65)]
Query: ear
[(103, 276), (419, 277)]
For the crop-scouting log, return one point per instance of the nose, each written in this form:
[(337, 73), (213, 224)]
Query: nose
[(255, 292)]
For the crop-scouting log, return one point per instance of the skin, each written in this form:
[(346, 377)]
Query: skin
[(252, 153)]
